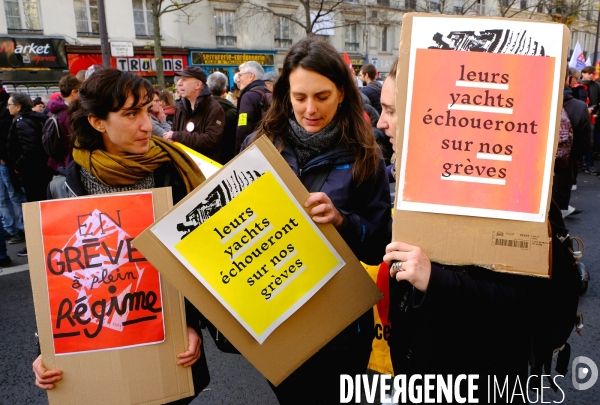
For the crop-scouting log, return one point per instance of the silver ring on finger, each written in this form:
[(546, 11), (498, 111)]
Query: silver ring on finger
[(397, 266)]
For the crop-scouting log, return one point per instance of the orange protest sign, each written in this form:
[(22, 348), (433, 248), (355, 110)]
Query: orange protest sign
[(483, 142), (103, 294)]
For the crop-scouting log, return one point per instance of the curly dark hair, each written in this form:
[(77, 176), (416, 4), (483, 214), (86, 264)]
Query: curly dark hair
[(320, 57), (104, 92)]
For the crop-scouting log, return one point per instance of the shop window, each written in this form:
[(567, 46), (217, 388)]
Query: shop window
[(224, 28), (142, 18), (352, 38), (23, 15), (86, 17), (283, 37), (480, 7)]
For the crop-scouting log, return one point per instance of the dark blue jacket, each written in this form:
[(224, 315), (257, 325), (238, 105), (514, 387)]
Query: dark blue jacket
[(373, 91), (249, 111), (365, 206)]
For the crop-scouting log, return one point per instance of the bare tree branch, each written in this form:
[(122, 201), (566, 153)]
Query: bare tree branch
[(158, 11)]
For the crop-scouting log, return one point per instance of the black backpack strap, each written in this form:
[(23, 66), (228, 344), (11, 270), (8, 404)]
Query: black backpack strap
[(319, 180)]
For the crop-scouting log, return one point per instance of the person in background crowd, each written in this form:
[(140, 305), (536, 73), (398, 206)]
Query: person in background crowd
[(168, 105), (217, 84), (315, 120), (38, 105), (199, 120), (26, 154), (90, 71), (371, 87), (250, 107), (593, 90), (579, 92), (114, 151), (579, 116), (69, 92), (452, 320), (81, 75), (270, 78), (5, 259), (159, 118), (11, 197)]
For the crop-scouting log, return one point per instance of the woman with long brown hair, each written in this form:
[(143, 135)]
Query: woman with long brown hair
[(315, 120)]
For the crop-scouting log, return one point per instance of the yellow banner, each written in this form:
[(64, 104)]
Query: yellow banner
[(262, 254), (380, 359)]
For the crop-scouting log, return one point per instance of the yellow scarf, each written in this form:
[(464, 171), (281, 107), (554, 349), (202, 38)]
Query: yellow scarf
[(118, 171)]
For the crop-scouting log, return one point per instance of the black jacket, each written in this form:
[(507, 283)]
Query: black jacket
[(229, 132), (469, 321), (580, 121), (5, 122), (208, 121), (249, 112), (593, 90), (25, 152)]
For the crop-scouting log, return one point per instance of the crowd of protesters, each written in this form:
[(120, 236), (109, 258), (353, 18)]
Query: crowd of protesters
[(322, 120)]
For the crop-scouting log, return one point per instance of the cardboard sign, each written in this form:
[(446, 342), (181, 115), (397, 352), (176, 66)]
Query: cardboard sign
[(103, 312), (103, 294), (256, 259), (255, 188), (479, 146)]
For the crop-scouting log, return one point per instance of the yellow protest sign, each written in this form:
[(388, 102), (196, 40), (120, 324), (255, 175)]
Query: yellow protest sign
[(206, 165), (262, 255)]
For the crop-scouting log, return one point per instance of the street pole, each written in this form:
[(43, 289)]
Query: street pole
[(104, 45), (596, 44)]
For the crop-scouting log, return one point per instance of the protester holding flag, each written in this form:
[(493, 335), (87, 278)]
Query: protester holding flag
[(114, 151), (316, 122)]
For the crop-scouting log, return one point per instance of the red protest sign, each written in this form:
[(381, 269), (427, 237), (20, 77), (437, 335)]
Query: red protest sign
[(103, 293)]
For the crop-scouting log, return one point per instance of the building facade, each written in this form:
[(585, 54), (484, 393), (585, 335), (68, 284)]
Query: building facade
[(40, 40)]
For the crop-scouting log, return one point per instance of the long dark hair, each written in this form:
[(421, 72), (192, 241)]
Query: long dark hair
[(320, 57), (105, 91)]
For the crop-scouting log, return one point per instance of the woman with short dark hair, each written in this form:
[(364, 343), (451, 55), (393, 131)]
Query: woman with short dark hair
[(114, 150)]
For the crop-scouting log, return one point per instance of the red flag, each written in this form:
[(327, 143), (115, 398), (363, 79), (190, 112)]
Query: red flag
[(348, 63)]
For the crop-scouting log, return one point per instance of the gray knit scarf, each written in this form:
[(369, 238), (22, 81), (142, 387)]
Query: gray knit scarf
[(308, 145), (93, 186)]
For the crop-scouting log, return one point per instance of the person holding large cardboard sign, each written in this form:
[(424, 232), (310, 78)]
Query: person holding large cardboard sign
[(114, 151), (316, 122)]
